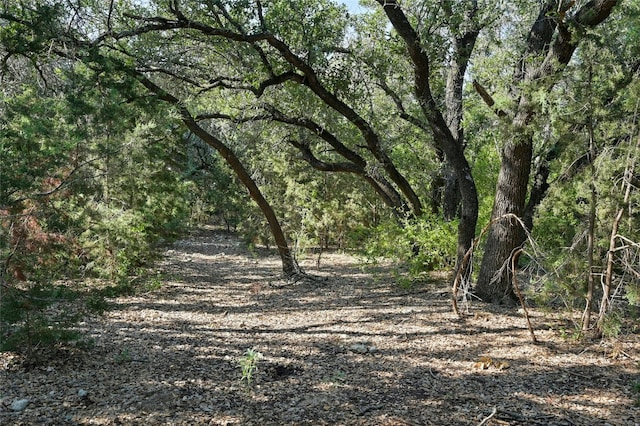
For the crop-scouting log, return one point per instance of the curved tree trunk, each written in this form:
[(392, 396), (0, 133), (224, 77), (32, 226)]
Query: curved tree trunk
[(447, 131), (289, 265)]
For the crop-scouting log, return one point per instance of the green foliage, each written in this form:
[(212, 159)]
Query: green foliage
[(153, 283), (249, 364), (36, 318), (593, 112), (612, 324), (216, 195), (425, 244), (312, 27), (574, 332), (96, 302), (31, 133), (45, 18), (123, 356), (636, 391), (633, 294), (97, 174), (316, 209), (484, 155), (94, 178)]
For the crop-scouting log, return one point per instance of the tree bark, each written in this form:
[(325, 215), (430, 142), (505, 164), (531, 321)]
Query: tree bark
[(550, 38), (463, 42), (451, 195), (289, 265), (448, 141), (586, 316), (356, 163), (506, 234)]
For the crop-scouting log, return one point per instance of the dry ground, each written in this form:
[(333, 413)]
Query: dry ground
[(352, 349)]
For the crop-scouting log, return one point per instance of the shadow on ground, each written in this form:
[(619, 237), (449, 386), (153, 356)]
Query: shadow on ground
[(352, 348)]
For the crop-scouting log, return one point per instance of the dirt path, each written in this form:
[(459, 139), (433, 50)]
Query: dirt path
[(355, 349)]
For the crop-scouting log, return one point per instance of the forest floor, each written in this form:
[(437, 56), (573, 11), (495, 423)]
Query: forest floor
[(352, 348)]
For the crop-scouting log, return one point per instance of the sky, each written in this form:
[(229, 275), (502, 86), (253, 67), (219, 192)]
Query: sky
[(353, 6)]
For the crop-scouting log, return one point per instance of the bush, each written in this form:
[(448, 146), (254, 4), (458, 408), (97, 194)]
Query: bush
[(37, 317), (425, 244)]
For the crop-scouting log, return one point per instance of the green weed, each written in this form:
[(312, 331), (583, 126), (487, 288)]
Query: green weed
[(249, 364), (123, 356)]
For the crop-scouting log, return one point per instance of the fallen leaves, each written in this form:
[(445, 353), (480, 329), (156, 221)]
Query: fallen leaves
[(354, 350), (484, 363)]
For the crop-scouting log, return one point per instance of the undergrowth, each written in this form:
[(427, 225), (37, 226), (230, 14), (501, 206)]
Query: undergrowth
[(38, 317)]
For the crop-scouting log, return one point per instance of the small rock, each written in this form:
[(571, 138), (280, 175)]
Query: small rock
[(82, 393), (19, 404), (359, 348), (206, 408)]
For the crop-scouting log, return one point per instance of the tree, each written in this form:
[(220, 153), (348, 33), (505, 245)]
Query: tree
[(550, 45), (337, 89), (196, 79), (446, 126), (93, 178), (289, 265), (102, 56)]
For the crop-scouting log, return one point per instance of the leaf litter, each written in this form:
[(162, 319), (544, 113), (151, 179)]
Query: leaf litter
[(348, 348)]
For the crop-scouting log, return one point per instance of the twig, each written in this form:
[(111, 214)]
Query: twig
[(627, 355), (456, 281), (432, 374), (467, 257), (513, 257), (486, 419), (582, 376), (514, 280)]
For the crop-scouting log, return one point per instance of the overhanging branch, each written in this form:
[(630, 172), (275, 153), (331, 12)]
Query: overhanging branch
[(488, 99)]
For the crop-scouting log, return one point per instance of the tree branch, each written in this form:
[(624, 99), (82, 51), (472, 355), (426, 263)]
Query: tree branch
[(319, 131), (561, 50), (309, 157), (488, 99), (357, 164), (305, 75), (464, 34), (277, 80)]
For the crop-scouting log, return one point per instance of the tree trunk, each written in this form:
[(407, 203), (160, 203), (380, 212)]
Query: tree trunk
[(586, 316), (289, 265), (551, 39), (468, 211), (506, 233), (607, 285), (438, 183), (445, 197), (450, 142), (451, 197)]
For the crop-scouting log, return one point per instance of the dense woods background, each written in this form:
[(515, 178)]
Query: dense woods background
[(469, 136)]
